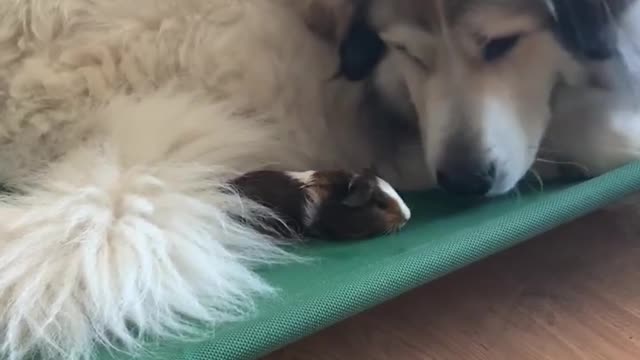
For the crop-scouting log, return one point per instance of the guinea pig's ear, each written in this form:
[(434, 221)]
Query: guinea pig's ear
[(370, 171), (360, 191)]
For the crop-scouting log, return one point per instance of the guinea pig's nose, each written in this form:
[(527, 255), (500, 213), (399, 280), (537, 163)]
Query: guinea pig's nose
[(467, 178)]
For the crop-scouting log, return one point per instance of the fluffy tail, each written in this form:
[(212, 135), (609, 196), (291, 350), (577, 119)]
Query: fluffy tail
[(111, 244)]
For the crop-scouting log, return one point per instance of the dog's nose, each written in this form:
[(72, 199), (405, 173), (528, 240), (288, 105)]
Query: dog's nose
[(466, 179)]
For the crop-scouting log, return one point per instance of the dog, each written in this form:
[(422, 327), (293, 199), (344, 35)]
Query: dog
[(499, 89), (132, 135)]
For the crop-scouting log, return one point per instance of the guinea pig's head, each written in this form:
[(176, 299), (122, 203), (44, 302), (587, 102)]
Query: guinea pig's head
[(355, 206)]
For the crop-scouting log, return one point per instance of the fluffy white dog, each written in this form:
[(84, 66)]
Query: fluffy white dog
[(121, 123)]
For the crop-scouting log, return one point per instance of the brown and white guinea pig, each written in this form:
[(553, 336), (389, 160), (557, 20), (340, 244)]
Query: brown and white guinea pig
[(332, 205)]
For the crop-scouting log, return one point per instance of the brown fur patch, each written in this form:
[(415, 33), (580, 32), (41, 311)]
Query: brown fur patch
[(279, 192)]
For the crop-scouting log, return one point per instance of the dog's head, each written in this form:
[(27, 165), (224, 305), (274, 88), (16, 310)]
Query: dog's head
[(480, 75)]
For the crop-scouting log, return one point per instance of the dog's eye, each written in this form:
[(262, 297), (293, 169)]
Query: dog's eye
[(497, 48)]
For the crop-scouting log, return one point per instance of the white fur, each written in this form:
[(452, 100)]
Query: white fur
[(313, 199), (595, 129), (105, 236), (393, 194), (505, 141), (305, 177), (628, 31)]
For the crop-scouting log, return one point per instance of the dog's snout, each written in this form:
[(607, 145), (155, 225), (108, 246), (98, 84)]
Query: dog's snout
[(469, 178), (466, 180), (465, 167)]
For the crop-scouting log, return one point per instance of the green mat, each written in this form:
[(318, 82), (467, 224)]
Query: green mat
[(347, 278)]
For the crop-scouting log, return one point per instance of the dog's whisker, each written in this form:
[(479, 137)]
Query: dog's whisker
[(538, 178), (515, 192), (565, 163), (518, 194)]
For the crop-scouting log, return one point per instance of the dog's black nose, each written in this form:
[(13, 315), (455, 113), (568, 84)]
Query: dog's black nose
[(466, 179)]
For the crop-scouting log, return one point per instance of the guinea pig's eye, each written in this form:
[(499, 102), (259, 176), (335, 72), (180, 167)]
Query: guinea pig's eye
[(380, 202), (496, 49)]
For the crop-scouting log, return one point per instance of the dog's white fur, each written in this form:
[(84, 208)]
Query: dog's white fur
[(121, 121)]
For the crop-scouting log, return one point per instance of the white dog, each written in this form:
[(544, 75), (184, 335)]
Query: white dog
[(122, 123)]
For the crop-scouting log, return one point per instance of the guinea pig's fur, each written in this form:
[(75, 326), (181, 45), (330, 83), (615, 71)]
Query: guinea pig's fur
[(351, 206), (333, 205)]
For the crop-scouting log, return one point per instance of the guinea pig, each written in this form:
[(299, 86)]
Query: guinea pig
[(332, 205)]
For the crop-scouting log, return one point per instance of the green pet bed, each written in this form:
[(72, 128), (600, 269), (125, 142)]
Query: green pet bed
[(347, 278)]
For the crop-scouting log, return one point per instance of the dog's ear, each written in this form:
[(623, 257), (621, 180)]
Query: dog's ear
[(411, 40), (586, 27), (361, 50)]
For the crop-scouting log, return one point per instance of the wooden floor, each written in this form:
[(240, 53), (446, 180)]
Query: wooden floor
[(571, 294)]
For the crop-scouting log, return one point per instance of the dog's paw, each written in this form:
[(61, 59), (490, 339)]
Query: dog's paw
[(327, 204)]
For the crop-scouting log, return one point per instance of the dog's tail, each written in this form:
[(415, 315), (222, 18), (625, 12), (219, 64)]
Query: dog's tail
[(133, 234)]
